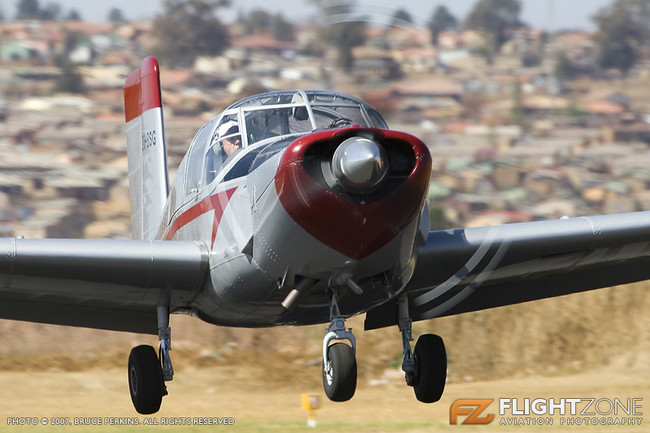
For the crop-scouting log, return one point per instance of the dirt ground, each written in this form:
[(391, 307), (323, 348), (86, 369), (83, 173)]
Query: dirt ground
[(588, 346), (243, 396)]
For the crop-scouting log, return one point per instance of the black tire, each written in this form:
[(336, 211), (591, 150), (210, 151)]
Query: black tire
[(340, 377), (145, 380), (431, 368)]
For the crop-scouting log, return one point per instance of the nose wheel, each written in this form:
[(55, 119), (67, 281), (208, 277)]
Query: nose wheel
[(340, 372), (339, 358)]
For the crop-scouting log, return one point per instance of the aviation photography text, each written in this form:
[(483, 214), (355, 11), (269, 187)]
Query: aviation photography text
[(574, 411)]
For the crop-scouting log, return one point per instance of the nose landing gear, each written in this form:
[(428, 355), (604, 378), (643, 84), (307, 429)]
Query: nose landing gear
[(339, 359), (340, 372)]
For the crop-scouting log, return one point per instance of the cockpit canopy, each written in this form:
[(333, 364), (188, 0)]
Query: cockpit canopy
[(271, 115), (298, 112)]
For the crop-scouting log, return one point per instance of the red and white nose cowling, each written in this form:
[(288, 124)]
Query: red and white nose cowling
[(359, 165), (354, 189)]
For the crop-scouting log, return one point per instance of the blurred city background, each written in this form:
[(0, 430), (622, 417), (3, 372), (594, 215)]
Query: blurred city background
[(525, 121)]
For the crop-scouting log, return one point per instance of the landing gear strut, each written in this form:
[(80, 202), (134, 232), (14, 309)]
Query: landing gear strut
[(339, 359), (149, 371), (426, 367)]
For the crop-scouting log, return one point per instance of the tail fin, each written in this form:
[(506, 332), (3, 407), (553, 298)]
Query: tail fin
[(146, 150)]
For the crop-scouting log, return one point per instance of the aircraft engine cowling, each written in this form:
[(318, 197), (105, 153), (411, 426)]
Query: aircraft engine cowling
[(354, 189)]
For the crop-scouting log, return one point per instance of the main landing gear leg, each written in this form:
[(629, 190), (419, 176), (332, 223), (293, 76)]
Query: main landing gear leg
[(165, 337), (339, 359), (426, 367), (148, 371)]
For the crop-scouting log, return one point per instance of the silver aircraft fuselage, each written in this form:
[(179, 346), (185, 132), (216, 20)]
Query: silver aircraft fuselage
[(283, 228)]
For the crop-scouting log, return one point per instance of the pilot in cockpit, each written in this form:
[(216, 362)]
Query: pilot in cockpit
[(227, 141), (230, 137)]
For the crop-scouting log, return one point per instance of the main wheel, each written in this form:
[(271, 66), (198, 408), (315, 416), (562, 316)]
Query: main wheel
[(431, 368), (145, 380), (340, 372)]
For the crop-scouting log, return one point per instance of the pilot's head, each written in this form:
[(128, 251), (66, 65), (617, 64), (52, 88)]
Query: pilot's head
[(230, 137)]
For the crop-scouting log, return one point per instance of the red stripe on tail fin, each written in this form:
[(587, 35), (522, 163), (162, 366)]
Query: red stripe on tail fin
[(142, 89), (145, 148)]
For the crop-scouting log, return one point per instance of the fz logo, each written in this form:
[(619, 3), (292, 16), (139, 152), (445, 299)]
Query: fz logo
[(472, 408)]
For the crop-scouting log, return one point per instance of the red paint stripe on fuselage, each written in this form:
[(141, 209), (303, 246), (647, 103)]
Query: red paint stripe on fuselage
[(216, 202), (142, 89)]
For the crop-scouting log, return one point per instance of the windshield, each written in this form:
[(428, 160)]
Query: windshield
[(270, 115), (299, 112), (272, 122)]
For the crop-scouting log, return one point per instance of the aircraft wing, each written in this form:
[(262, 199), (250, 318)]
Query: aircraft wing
[(106, 284), (477, 268)]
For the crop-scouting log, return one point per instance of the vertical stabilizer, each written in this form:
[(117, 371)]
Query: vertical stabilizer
[(146, 150)]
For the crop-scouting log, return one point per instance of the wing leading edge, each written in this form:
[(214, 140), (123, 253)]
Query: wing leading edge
[(477, 268), (105, 284)]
